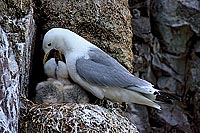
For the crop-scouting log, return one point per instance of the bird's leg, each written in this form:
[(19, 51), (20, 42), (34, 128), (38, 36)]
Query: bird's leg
[(124, 106), (100, 102)]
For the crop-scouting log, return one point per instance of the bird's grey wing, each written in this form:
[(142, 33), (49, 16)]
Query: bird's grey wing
[(103, 70)]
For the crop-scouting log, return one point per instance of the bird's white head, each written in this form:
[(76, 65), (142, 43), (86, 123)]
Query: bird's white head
[(63, 40), (55, 39)]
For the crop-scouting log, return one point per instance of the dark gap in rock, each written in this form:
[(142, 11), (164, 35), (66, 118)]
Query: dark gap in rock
[(37, 73), (191, 91)]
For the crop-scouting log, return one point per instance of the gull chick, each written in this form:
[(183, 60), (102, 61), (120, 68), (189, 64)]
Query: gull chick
[(58, 88), (96, 71), (56, 70), (49, 92), (54, 91)]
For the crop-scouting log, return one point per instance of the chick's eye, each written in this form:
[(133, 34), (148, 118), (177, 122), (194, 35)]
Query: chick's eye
[(49, 44)]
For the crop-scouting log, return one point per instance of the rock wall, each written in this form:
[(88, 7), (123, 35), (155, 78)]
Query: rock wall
[(72, 117), (165, 51), (21, 62), (106, 24), (16, 37), (165, 47)]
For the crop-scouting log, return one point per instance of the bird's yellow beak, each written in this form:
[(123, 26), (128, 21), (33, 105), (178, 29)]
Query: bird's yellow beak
[(45, 57), (53, 54)]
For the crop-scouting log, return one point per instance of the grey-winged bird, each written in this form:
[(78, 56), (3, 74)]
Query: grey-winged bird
[(96, 71), (58, 88)]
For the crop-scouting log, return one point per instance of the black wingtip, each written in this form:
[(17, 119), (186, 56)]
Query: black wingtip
[(167, 97)]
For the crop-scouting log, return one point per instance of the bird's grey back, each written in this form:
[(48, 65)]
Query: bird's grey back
[(103, 70)]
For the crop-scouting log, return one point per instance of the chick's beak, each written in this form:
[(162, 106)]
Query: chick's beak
[(58, 56), (53, 54)]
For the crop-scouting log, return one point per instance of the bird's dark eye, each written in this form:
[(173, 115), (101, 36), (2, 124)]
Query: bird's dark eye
[(49, 44)]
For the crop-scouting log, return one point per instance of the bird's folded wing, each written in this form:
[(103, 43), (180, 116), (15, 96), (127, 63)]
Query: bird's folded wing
[(103, 70)]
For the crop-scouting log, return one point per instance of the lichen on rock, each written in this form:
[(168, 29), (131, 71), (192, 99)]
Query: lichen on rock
[(9, 74), (106, 24), (166, 36), (16, 35), (71, 117)]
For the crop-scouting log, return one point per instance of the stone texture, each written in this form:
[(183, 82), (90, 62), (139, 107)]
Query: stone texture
[(175, 120), (9, 86), (17, 47), (139, 115), (165, 47), (16, 36), (106, 24), (72, 118)]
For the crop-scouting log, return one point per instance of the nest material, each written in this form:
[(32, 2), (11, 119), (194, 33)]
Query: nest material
[(72, 117)]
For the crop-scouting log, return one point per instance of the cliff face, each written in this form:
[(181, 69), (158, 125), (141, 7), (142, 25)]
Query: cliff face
[(164, 49), (16, 37), (106, 24), (166, 53), (21, 62)]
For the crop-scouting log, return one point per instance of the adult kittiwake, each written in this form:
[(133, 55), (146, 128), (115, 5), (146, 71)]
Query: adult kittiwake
[(96, 71)]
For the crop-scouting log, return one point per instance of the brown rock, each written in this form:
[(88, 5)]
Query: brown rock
[(16, 38), (105, 24), (168, 57)]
